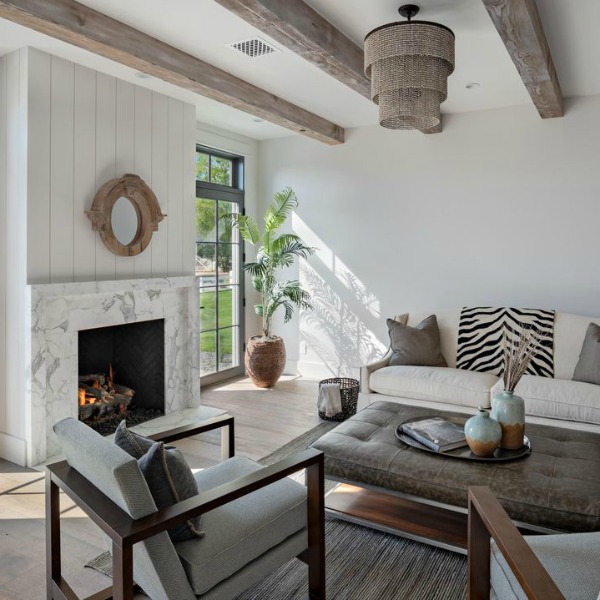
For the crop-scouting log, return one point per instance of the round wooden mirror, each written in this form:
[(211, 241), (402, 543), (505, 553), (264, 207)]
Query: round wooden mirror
[(125, 213)]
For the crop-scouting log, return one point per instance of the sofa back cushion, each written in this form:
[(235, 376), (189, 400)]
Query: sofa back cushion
[(569, 333), (447, 321)]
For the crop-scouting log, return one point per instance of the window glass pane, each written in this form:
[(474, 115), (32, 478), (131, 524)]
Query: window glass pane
[(228, 348), (224, 259), (234, 304), (202, 173), (226, 233), (205, 263), (208, 352), (221, 170), (208, 308), (225, 307), (206, 223)]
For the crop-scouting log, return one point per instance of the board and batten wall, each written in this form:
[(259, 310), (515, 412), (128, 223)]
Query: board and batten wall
[(64, 131), (86, 128), (501, 209)]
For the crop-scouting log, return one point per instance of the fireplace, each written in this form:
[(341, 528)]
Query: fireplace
[(60, 311), (121, 374)]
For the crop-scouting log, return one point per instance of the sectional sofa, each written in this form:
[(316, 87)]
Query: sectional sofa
[(554, 401)]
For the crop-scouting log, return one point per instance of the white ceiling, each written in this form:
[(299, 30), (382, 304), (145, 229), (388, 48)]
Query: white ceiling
[(204, 29)]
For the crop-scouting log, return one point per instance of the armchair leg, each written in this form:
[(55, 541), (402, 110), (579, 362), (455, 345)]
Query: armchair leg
[(315, 479), (122, 558), (53, 573), (478, 578), (227, 441)]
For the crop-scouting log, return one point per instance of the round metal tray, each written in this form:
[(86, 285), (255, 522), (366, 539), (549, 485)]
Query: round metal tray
[(464, 452)]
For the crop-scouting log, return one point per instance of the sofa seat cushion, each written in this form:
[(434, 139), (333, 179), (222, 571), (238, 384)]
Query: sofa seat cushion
[(571, 560), (558, 398), (439, 384), (242, 530)]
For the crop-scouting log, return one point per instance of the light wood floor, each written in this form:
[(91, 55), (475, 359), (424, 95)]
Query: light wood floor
[(265, 421)]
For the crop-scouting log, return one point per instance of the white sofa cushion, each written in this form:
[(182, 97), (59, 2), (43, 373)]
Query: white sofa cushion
[(569, 331), (439, 384), (558, 398)]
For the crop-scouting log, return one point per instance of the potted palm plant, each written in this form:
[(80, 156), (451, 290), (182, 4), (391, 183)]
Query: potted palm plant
[(265, 354)]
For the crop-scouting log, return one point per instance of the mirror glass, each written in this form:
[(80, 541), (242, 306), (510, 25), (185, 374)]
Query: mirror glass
[(124, 220)]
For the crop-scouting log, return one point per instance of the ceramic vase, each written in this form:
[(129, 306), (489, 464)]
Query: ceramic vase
[(509, 410), (483, 434)]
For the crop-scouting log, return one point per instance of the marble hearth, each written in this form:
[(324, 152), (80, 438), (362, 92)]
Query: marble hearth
[(60, 311)]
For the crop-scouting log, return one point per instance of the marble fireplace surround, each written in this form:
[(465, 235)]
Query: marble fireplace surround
[(59, 311)]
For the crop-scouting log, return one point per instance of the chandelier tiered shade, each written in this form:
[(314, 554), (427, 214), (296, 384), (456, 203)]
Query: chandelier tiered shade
[(408, 64)]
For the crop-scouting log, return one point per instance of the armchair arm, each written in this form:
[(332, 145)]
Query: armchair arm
[(366, 371), (124, 530), (488, 519), (222, 421)]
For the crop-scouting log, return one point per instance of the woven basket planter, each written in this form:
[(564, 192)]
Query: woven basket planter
[(265, 360)]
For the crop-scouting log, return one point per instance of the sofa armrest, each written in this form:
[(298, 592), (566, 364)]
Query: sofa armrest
[(367, 370)]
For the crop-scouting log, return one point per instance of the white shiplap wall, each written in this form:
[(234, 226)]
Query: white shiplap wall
[(86, 128), (64, 131)]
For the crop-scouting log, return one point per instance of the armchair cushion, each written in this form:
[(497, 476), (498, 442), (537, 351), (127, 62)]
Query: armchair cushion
[(570, 559), (167, 474), (243, 530)]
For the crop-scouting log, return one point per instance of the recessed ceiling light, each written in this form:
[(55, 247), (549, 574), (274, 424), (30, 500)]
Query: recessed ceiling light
[(471, 86), (141, 75)]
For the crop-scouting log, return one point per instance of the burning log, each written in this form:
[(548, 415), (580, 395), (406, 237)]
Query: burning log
[(123, 390), (100, 397)]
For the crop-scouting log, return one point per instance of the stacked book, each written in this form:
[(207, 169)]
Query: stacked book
[(436, 433)]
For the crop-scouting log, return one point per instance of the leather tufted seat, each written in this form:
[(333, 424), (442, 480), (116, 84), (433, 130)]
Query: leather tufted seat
[(556, 486)]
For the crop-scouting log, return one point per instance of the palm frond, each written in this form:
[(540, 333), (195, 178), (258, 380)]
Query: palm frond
[(247, 227), (282, 205)]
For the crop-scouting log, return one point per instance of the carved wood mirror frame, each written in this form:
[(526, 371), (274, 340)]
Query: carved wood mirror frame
[(146, 207)]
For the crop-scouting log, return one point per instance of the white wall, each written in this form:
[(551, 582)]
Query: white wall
[(64, 131), (85, 128), (502, 208)]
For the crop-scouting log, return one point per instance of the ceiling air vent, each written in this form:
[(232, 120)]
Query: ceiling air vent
[(254, 47)]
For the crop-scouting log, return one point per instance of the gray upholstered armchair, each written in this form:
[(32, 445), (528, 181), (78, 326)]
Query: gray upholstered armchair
[(255, 519), (504, 565)]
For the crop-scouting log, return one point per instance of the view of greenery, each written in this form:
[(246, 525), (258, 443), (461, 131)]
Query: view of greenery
[(208, 320), (210, 227), (214, 169)]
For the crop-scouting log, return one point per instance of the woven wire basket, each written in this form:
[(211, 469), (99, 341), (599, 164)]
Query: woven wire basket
[(349, 396)]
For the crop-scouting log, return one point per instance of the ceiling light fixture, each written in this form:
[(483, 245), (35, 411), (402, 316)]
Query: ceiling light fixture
[(408, 63)]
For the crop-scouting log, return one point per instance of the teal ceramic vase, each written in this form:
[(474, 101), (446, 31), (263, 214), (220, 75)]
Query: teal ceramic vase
[(483, 434), (509, 410)]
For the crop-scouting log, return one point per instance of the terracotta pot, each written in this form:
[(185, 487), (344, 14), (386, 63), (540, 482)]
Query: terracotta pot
[(265, 360)]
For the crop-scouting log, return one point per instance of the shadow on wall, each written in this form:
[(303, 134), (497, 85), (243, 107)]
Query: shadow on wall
[(339, 328)]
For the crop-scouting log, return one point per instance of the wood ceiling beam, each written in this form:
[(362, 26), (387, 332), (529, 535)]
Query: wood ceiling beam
[(520, 27), (81, 26), (301, 29)]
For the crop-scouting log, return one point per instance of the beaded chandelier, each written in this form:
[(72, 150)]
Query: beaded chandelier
[(408, 63)]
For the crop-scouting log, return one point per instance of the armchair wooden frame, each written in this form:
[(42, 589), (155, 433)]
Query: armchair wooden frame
[(487, 519), (124, 531)]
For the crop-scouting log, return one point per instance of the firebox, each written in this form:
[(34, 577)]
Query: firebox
[(121, 374)]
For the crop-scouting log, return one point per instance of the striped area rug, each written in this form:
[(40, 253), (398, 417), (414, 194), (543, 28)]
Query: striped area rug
[(364, 564)]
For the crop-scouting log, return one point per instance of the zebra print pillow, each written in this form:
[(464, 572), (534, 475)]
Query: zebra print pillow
[(481, 331)]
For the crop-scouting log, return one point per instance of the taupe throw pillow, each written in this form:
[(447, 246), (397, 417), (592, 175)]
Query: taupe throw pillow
[(418, 346), (588, 366), (167, 474)]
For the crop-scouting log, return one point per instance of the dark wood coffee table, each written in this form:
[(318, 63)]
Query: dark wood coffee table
[(395, 488)]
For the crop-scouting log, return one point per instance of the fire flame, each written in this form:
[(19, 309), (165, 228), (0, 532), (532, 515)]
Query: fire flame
[(81, 397), (111, 374)]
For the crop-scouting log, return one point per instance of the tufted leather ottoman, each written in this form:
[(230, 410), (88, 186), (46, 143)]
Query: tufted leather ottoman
[(557, 486)]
